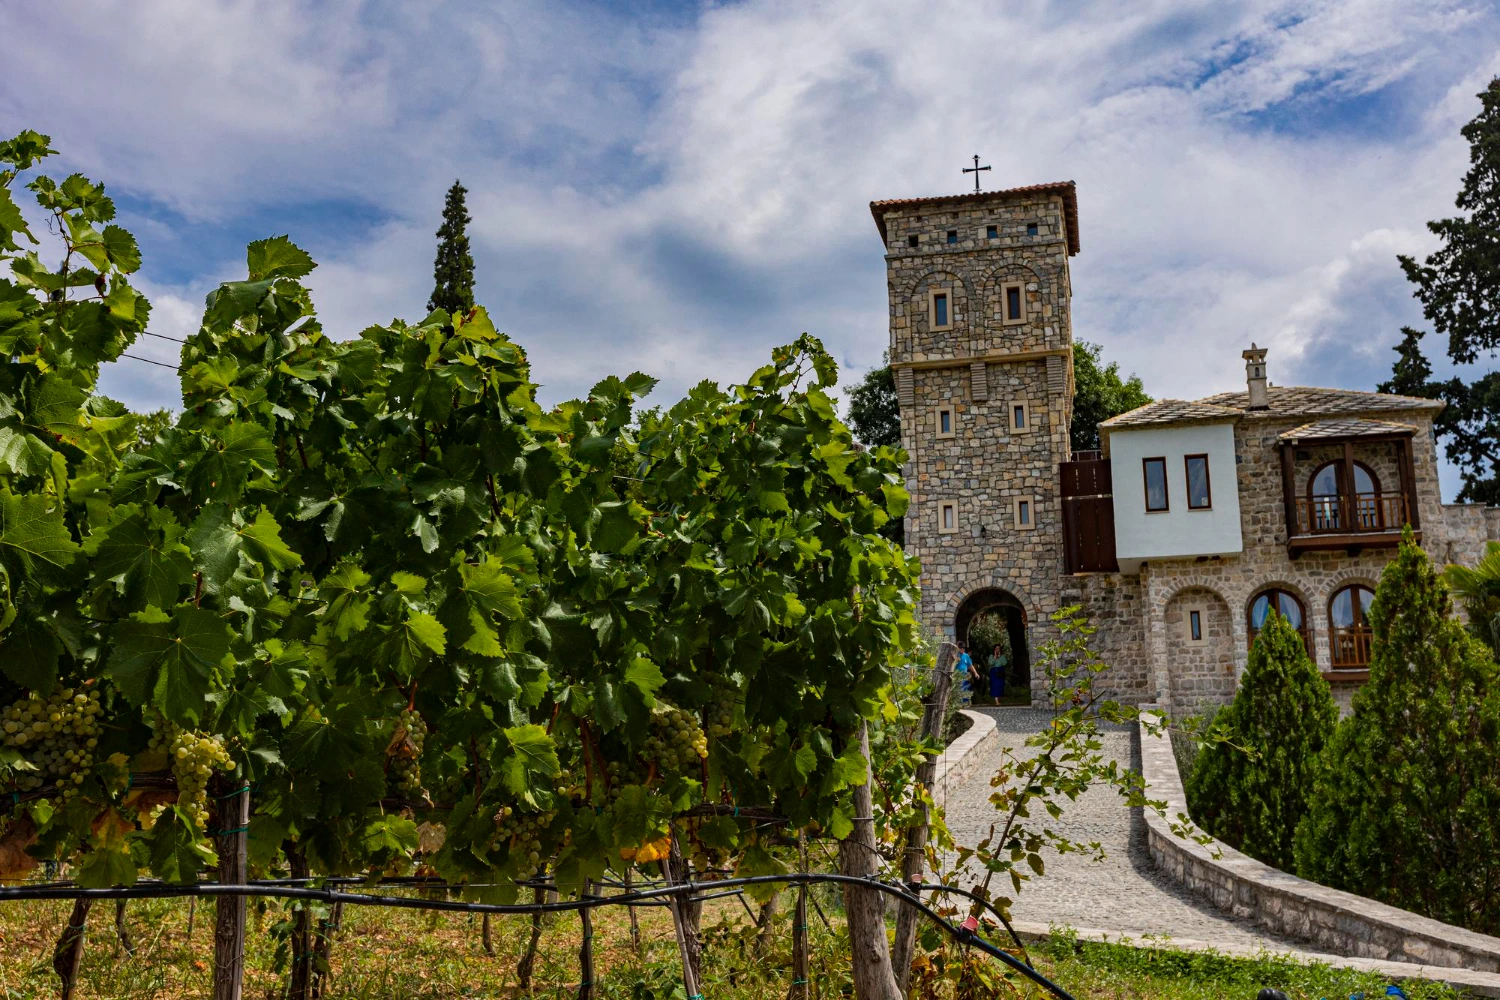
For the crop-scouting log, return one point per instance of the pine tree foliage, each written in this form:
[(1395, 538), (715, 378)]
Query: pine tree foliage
[(453, 270), (1250, 789), (1099, 392), (1459, 288), (1406, 805)]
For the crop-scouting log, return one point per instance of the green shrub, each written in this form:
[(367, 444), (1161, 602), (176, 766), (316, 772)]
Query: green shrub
[(1406, 807), (1250, 788)]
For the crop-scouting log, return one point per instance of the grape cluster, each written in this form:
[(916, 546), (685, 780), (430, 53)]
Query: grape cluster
[(57, 734), (521, 834), (566, 786), (677, 742), (194, 757), (405, 752), (719, 717)]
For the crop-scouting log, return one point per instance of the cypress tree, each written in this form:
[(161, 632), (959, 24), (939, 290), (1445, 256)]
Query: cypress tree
[(453, 270), (1406, 805), (1251, 790)]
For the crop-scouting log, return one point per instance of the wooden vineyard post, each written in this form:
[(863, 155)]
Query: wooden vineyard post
[(799, 990), (675, 872), (586, 948), (635, 923), (122, 932), (485, 936), (914, 860), (870, 952), (233, 822), (68, 954), (528, 960)]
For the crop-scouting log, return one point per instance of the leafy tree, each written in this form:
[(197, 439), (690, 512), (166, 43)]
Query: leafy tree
[(1479, 590), (1250, 789), (453, 270), (1099, 393), (1406, 804), (1459, 288), (874, 411)]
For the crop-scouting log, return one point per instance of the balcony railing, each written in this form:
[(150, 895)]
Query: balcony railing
[(1351, 649), (1350, 515)]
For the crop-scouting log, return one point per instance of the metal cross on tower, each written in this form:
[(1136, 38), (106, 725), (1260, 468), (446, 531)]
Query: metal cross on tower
[(975, 169)]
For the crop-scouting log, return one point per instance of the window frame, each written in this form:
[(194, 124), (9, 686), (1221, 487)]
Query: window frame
[(1208, 482), (1188, 611), (1166, 485), (1006, 287), (1251, 631), (992, 232), (1025, 426), (945, 505), (951, 237), (1033, 229), (1352, 633), (933, 294), (1015, 512), (952, 430), (913, 241)]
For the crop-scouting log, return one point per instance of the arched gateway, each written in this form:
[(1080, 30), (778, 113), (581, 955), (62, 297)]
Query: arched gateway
[(1002, 607)]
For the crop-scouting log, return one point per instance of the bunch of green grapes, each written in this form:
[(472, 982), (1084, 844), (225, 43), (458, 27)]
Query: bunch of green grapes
[(719, 717), (566, 786), (57, 735), (405, 752), (677, 743), (194, 757), (521, 835)]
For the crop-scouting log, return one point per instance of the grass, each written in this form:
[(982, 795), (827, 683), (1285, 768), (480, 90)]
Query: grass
[(383, 953)]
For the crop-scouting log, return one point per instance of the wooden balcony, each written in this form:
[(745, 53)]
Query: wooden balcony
[(1350, 520), (1349, 650), (1365, 514)]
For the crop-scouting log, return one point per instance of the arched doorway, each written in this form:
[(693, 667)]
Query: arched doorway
[(978, 617)]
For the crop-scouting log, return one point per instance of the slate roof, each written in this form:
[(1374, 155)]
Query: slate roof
[(1171, 411), (1283, 401), (1068, 190), (1341, 428)]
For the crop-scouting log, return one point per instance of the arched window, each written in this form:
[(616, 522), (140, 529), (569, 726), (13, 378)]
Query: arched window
[(1348, 617), (1283, 603), (1334, 507)]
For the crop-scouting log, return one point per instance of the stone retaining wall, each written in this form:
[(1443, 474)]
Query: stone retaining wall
[(964, 755), (1338, 922)]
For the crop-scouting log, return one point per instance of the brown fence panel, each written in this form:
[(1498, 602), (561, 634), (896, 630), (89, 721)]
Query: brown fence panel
[(1089, 531), (1086, 479)]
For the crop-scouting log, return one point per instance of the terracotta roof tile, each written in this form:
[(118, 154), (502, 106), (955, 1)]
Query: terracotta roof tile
[(1067, 189)]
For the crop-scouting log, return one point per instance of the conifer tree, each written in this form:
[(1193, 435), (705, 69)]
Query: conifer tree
[(1250, 789), (453, 270), (1406, 804)]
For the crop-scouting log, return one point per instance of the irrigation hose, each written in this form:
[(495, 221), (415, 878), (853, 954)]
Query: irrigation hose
[(964, 934)]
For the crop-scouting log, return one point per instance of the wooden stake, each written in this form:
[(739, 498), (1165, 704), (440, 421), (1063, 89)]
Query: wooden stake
[(870, 952), (586, 949), (68, 954), (192, 913), (528, 960), (799, 990), (635, 923), (301, 985), (232, 818), (674, 870), (913, 863), (121, 931), (484, 936)]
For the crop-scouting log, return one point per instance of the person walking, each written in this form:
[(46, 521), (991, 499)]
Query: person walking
[(965, 670), (998, 663)]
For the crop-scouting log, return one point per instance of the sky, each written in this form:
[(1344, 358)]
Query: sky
[(676, 188)]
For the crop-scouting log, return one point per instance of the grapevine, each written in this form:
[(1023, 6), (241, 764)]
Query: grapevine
[(405, 753), (194, 758), (57, 735)]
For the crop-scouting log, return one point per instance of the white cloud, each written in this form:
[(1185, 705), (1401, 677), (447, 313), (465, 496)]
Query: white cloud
[(679, 192)]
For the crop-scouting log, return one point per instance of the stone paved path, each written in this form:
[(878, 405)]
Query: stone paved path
[(1123, 893)]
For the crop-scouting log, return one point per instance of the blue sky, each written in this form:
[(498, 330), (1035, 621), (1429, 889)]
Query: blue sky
[(677, 187)]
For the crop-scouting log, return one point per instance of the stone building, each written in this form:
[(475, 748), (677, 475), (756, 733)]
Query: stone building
[(1195, 520)]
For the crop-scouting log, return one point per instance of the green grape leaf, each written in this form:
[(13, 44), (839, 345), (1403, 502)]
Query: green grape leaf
[(106, 867), (348, 602), (262, 540), (122, 249), (11, 223), (277, 257), (28, 654), (169, 659), (32, 533), (529, 753), (619, 525), (646, 676), (177, 854), (23, 453), (409, 645), (142, 555)]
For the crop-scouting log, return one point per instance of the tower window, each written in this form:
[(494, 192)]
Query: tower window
[(991, 232), (911, 241), (1012, 303), (1020, 416), (1025, 513), (1031, 229), (940, 309), (1155, 472), (953, 236), (945, 422), (947, 517)]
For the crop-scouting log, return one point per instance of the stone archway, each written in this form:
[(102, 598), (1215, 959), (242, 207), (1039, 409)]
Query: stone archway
[(1002, 604), (1200, 650)]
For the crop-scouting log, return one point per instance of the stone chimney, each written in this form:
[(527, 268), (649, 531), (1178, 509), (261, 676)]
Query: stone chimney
[(1255, 376)]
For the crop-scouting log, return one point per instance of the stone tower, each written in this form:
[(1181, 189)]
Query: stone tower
[(982, 351)]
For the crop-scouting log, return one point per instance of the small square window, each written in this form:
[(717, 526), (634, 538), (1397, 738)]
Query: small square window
[(945, 422), (1031, 229), (1012, 303), (947, 517), (992, 232), (939, 309), (1020, 416), (911, 241), (953, 236), (1025, 513), (1154, 470)]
